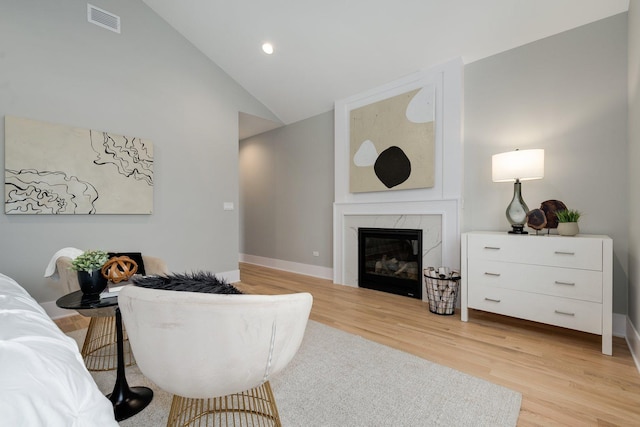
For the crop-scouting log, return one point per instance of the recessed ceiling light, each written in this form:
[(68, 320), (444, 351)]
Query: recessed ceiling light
[(267, 48)]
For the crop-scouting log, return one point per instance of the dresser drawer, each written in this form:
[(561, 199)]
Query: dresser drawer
[(583, 316), (577, 284), (556, 251)]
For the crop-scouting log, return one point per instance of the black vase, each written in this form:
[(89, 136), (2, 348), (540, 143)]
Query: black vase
[(93, 283)]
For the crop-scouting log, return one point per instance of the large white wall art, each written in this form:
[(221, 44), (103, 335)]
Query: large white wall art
[(392, 143), (57, 169)]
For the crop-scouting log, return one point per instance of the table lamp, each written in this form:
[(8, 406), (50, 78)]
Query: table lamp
[(516, 166)]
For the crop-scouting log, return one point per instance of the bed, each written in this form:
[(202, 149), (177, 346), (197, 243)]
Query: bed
[(43, 380)]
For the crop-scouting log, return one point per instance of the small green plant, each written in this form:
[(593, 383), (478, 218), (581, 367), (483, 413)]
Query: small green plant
[(568, 215), (89, 261)]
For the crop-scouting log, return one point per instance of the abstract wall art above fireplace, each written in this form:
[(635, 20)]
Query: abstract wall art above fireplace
[(392, 143), (57, 169)]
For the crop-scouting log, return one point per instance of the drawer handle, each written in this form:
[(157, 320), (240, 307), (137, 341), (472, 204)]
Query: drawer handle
[(564, 253), (565, 313), (492, 248), (486, 273), (491, 299), (557, 282)]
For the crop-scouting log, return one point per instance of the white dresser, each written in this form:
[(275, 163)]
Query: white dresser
[(561, 281)]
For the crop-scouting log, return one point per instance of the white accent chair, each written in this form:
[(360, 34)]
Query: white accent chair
[(214, 352)]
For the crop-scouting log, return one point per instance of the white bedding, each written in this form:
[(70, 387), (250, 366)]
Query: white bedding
[(43, 380)]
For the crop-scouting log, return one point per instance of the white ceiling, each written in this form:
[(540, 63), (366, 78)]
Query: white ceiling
[(326, 50)]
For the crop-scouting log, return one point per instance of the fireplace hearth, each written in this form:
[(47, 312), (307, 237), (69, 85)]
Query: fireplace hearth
[(390, 260)]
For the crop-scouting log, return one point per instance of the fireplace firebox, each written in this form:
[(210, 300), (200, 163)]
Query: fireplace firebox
[(390, 260)]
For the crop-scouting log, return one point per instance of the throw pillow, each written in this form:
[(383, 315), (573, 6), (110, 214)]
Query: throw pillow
[(195, 282)]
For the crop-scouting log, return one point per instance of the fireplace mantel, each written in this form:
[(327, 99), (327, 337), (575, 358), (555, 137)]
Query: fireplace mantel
[(443, 199), (402, 215)]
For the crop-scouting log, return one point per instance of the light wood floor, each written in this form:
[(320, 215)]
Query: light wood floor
[(562, 375)]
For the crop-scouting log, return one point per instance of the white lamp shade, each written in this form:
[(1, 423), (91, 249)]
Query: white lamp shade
[(519, 164)]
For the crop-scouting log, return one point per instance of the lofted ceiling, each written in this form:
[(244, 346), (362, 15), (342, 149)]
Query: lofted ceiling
[(326, 50)]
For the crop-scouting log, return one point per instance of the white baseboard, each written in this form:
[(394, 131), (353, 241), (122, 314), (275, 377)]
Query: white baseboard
[(294, 267), (633, 341)]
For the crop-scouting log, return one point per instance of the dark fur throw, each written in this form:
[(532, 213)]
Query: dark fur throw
[(195, 282)]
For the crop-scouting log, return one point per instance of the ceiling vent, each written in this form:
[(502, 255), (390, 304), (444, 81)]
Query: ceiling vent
[(104, 19)]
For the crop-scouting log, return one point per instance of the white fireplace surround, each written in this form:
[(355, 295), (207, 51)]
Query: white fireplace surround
[(443, 199), (440, 247)]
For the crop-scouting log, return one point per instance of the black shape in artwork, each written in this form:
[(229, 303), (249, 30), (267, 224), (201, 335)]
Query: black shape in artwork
[(392, 167)]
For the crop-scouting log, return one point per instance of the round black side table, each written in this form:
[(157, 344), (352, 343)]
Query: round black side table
[(127, 401)]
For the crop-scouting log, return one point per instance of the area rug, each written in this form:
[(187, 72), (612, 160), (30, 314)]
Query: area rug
[(340, 379)]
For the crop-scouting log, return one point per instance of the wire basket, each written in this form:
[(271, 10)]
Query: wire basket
[(442, 289)]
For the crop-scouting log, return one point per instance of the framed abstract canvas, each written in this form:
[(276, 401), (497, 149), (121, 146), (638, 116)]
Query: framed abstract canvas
[(57, 169), (392, 143)]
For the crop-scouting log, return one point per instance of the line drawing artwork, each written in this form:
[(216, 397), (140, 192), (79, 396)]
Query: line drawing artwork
[(33, 192), (130, 156), (57, 169)]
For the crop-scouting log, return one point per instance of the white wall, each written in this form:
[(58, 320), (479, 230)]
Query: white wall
[(634, 171), (149, 82), (568, 95)]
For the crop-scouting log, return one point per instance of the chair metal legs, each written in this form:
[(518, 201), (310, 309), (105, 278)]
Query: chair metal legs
[(99, 350), (255, 407)]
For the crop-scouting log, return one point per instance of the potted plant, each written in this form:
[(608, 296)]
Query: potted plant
[(88, 265), (568, 222)]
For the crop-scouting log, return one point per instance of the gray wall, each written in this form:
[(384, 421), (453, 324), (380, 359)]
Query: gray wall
[(286, 182), (634, 161), (568, 95), (149, 82)]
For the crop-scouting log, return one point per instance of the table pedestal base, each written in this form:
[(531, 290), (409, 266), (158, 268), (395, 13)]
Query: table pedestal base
[(130, 401), (127, 401)]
